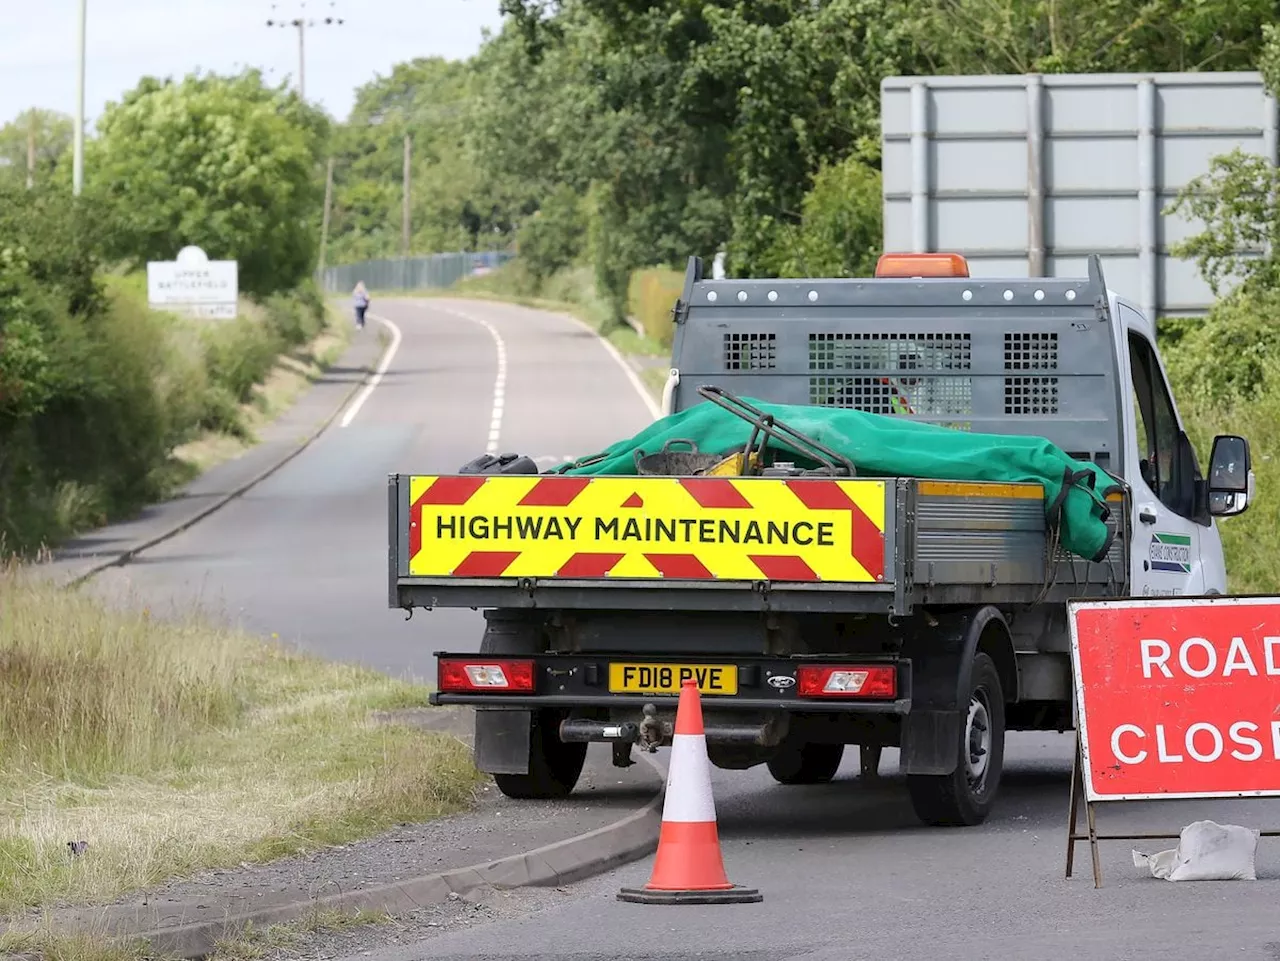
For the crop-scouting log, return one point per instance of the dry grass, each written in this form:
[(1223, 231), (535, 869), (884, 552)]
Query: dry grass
[(651, 295), (49, 945), (252, 944), (172, 747), (292, 375)]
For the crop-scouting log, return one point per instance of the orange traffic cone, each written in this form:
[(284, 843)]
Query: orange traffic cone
[(688, 868)]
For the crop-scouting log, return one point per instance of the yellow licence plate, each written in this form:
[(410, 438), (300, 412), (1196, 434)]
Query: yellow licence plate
[(667, 678)]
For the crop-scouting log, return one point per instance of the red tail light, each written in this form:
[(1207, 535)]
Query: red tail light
[(485, 676), (847, 680)]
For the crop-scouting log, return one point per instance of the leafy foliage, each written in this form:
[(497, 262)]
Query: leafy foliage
[(48, 131), (96, 391), (225, 163), (1237, 202), (691, 126), (839, 233)]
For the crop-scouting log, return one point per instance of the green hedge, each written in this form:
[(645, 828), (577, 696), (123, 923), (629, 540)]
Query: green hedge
[(1225, 373), (653, 292), (96, 390)]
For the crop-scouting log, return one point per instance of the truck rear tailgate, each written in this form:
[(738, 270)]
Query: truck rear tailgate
[(810, 544)]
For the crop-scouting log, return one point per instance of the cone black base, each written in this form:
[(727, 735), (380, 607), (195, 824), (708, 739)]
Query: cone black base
[(735, 895)]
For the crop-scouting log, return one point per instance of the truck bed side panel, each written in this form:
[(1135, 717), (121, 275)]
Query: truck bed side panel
[(994, 537)]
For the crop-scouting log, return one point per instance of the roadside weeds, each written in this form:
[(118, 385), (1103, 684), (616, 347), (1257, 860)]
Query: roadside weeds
[(294, 372), (173, 746), (248, 944)]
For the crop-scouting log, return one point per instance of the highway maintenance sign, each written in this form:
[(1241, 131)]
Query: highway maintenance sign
[(1178, 697), (684, 528)]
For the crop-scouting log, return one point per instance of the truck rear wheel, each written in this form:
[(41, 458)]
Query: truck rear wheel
[(554, 766), (806, 763), (966, 795)]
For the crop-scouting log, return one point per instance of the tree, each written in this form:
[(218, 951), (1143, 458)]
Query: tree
[(48, 131), (1238, 202), (841, 226), (688, 126), (1056, 36), (453, 202), (222, 162)]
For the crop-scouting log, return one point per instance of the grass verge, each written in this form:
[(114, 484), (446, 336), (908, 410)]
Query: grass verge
[(172, 747), (251, 944), (294, 371)]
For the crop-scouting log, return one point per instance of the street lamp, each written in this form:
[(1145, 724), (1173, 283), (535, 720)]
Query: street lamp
[(301, 23)]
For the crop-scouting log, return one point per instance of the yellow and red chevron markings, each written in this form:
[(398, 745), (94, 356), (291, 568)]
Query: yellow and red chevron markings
[(685, 528)]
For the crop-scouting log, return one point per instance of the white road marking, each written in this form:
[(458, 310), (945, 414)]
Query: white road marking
[(499, 382), (650, 404), (387, 357)]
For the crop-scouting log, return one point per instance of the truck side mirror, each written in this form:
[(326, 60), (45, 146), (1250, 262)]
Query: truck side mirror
[(1231, 482)]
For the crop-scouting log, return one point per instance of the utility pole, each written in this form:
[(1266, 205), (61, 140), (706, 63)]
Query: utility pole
[(404, 226), (77, 161), (302, 58), (31, 148), (300, 23), (324, 224)]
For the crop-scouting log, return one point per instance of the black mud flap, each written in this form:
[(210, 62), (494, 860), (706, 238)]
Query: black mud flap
[(941, 661), (929, 741), (502, 740)]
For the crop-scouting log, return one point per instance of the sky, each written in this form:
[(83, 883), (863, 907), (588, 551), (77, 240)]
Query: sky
[(126, 40)]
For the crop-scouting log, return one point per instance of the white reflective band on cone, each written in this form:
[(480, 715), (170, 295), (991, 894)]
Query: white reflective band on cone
[(689, 781)]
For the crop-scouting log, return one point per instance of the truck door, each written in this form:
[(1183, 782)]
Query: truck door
[(1166, 538)]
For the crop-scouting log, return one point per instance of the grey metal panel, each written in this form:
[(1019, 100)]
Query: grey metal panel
[(1076, 163), (954, 358), (972, 540), (647, 596), (1044, 676), (394, 563), (403, 519)]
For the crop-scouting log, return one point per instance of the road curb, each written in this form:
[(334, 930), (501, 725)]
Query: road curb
[(123, 558), (563, 862)]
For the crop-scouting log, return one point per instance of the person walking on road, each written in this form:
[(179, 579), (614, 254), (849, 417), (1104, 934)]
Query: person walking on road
[(360, 297)]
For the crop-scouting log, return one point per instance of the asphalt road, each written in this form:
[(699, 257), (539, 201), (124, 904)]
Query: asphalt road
[(846, 871), (304, 554)]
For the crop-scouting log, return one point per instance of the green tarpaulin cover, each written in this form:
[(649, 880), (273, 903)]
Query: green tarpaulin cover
[(881, 445)]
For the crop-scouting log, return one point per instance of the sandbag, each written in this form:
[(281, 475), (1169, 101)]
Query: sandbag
[(1206, 851)]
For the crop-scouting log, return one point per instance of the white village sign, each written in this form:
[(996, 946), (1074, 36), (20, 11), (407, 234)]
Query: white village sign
[(194, 285)]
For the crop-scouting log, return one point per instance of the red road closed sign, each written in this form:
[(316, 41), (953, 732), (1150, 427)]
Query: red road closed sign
[(1178, 697)]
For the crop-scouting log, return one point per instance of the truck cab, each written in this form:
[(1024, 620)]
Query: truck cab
[(947, 627)]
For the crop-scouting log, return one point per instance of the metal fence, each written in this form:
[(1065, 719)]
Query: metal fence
[(411, 273)]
